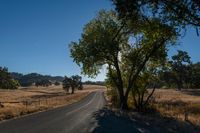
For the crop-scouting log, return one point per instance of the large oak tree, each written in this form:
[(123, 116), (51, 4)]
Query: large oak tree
[(124, 48)]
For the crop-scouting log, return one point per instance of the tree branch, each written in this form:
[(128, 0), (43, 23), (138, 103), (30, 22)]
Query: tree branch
[(150, 95), (154, 49)]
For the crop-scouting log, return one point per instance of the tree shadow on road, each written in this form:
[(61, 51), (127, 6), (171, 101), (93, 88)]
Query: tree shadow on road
[(109, 121)]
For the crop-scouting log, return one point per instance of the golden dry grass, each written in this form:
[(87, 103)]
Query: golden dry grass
[(183, 105), (34, 99), (169, 115), (180, 105)]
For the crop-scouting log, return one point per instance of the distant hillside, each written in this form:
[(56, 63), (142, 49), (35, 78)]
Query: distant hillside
[(29, 79)]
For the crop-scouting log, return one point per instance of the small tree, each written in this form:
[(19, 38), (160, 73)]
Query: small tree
[(6, 81), (76, 83), (79, 82), (180, 66), (72, 82), (141, 95), (57, 83), (66, 83)]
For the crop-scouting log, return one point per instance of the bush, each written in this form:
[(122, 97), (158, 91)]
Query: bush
[(45, 83), (57, 83), (6, 81), (112, 93)]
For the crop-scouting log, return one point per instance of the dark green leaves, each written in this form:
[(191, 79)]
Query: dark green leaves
[(97, 45)]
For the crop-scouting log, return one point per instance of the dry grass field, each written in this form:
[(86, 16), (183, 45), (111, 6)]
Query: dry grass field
[(15, 103), (172, 111), (182, 105)]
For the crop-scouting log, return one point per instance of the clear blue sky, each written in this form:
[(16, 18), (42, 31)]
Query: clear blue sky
[(34, 34)]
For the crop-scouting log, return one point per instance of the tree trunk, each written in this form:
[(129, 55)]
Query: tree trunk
[(179, 85), (123, 99), (123, 103), (72, 90)]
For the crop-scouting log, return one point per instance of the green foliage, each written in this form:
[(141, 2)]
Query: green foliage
[(179, 13), (96, 46), (147, 79), (6, 81), (106, 42), (72, 82), (180, 58), (94, 83), (114, 97), (76, 82), (180, 67), (57, 83), (45, 83), (195, 77), (181, 74), (66, 83)]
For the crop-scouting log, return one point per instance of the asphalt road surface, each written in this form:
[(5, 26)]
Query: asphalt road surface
[(74, 118)]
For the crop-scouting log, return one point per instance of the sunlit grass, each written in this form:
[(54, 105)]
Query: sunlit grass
[(178, 104), (40, 99)]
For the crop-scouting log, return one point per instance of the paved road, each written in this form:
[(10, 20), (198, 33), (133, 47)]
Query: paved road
[(74, 118)]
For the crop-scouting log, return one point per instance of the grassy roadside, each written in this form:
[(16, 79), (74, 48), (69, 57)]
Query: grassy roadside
[(11, 111), (164, 118), (39, 99), (181, 105)]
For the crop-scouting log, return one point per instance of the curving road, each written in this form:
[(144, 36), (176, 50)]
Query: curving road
[(74, 118)]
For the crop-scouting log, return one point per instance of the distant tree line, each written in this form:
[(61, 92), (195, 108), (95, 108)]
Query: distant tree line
[(44, 83), (12, 80), (6, 80), (94, 82), (57, 83)]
